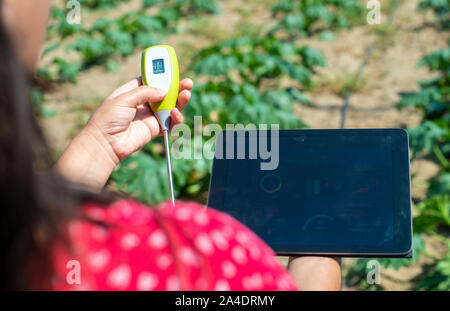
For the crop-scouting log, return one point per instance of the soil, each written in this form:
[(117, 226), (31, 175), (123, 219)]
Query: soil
[(390, 71)]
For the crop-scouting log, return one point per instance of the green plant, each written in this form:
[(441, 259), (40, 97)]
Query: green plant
[(101, 4), (110, 37), (184, 7), (37, 100), (255, 59), (439, 277), (106, 39), (441, 9), (144, 176), (432, 137), (433, 212), (306, 17)]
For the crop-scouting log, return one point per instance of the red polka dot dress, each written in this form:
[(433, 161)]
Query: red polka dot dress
[(187, 247)]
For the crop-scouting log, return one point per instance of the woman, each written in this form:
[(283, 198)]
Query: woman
[(57, 235)]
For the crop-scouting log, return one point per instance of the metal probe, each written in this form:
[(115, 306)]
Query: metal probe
[(169, 166)]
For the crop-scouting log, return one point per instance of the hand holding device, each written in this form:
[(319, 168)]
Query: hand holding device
[(120, 126), (159, 68)]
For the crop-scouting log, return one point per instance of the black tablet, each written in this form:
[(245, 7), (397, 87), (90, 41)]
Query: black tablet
[(321, 192)]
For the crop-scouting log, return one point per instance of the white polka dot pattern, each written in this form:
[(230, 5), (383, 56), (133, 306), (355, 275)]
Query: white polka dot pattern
[(100, 234), (219, 239), (228, 269), (146, 281), (203, 243), (158, 239), (201, 218), (164, 261), (222, 285), (188, 256), (186, 247), (173, 283), (253, 282), (183, 214), (119, 278), (238, 254), (129, 241), (98, 259)]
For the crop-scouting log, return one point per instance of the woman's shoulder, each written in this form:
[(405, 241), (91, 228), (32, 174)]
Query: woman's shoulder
[(129, 246)]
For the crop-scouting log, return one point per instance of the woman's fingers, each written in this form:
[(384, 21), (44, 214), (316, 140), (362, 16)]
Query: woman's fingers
[(139, 96), (186, 84), (183, 99), (145, 115), (176, 116), (130, 85)]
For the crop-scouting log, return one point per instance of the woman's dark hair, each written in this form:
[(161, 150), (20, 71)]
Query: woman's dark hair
[(33, 199)]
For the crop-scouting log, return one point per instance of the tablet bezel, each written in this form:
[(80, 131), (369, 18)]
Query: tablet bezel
[(402, 246)]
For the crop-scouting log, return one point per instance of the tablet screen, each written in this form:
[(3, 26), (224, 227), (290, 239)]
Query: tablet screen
[(338, 191), (327, 192)]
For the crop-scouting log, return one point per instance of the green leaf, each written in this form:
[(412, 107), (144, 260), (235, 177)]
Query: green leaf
[(439, 276), (312, 57), (112, 65), (208, 6), (441, 8), (432, 212), (143, 177), (439, 185), (149, 3), (425, 136), (101, 4), (51, 47), (327, 36), (438, 60), (67, 71), (429, 99), (299, 96)]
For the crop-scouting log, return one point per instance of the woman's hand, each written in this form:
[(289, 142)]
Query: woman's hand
[(121, 125), (316, 273), (126, 121)]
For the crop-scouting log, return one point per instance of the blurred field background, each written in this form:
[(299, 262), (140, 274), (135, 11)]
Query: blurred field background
[(299, 63)]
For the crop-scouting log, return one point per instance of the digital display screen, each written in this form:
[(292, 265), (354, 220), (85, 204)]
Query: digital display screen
[(158, 66), (326, 191)]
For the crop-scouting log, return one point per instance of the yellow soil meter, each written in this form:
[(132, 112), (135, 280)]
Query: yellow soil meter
[(159, 69)]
